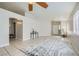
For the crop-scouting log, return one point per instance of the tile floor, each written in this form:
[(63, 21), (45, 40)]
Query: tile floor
[(15, 45)]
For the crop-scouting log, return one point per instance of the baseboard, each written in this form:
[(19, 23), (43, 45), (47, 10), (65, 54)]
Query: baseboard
[(7, 44)]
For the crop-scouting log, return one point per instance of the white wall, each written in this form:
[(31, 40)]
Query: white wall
[(4, 26), (28, 25), (45, 25), (4, 29)]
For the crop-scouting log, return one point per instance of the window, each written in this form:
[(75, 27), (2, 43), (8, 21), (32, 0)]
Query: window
[(76, 22)]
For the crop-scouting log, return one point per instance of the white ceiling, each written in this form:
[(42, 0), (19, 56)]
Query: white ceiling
[(17, 7), (55, 9)]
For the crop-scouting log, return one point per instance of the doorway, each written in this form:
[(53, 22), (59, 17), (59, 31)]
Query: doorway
[(15, 29), (56, 28)]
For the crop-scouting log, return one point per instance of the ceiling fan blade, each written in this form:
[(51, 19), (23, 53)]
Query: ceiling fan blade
[(30, 7), (42, 4)]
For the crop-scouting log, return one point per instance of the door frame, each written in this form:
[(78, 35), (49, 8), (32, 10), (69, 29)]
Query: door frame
[(15, 29), (56, 23)]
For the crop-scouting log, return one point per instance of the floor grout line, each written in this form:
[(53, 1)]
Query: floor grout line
[(7, 51)]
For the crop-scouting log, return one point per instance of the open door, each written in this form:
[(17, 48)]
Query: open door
[(15, 29)]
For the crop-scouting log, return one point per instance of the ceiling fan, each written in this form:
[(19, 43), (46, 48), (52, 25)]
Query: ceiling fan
[(42, 4)]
